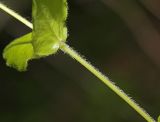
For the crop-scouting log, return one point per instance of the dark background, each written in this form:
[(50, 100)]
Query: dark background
[(120, 37)]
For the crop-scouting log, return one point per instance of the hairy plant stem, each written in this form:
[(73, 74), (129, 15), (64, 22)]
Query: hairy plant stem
[(67, 49), (15, 15)]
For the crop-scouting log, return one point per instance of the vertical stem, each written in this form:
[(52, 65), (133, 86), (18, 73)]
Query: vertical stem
[(65, 48)]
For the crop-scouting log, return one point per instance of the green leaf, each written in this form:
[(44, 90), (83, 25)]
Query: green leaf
[(159, 119), (19, 52), (49, 28), (49, 31)]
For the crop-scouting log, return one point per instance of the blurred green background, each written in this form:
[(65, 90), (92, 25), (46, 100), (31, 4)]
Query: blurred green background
[(120, 37)]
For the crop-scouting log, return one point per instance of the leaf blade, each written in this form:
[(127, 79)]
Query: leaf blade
[(49, 31), (19, 52), (49, 18)]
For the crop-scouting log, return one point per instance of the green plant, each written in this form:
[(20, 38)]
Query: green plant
[(49, 34)]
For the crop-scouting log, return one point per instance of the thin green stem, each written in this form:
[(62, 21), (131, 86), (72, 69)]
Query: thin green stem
[(106, 81), (16, 15), (65, 48)]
